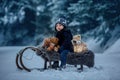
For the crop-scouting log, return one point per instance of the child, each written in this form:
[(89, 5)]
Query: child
[(64, 35)]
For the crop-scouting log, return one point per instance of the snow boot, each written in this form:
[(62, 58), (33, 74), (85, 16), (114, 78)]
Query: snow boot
[(55, 65)]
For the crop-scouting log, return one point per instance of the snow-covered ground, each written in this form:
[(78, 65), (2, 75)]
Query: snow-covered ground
[(107, 67)]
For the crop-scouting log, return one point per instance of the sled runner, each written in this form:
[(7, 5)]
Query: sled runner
[(85, 58)]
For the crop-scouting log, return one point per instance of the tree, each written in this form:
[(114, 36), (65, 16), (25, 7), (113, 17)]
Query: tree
[(82, 16)]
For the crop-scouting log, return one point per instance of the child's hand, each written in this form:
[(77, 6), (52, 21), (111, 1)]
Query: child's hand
[(56, 49), (51, 47)]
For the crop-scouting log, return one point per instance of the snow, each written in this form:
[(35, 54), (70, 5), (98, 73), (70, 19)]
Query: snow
[(106, 67), (114, 48), (40, 8), (5, 19), (93, 45), (74, 23)]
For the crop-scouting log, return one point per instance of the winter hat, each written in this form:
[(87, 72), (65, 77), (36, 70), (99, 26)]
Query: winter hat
[(61, 21)]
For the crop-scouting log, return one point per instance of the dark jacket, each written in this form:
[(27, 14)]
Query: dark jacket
[(65, 38)]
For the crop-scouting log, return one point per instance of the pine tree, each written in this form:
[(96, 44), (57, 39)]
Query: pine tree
[(82, 16)]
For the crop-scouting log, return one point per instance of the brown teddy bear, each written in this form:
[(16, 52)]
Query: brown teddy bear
[(78, 45), (51, 44)]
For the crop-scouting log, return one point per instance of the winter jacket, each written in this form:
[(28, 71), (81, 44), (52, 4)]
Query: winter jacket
[(65, 38)]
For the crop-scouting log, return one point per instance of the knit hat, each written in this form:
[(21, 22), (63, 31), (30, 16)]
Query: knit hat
[(61, 21)]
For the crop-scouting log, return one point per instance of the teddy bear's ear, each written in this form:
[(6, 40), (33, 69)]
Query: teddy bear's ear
[(79, 36), (51, 38), (57, 39)]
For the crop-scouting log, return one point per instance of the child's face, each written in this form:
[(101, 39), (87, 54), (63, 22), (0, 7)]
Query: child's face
[(59, 27)]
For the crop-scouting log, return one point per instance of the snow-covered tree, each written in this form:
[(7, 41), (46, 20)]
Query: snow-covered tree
[(23, 22), (58, 9), (82, 15)]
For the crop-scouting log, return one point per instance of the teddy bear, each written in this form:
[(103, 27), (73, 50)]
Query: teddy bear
[(51, 44), (78, 45)]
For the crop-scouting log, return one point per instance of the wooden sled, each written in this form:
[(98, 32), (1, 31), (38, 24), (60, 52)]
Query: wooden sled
[(84, 58)]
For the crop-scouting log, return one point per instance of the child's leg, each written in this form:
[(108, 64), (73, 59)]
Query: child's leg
[(63, 57)]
